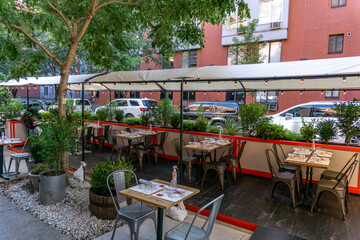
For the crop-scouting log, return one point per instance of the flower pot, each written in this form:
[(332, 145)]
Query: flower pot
[(52, 187), (102, 206), (35, 179)]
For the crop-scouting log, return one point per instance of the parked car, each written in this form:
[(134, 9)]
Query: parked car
[(216, 112), (77, 103), (132, 107)]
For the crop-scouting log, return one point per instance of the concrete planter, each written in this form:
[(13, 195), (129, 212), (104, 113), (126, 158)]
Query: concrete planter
[(35, 179), (52, 188), (102, 206)]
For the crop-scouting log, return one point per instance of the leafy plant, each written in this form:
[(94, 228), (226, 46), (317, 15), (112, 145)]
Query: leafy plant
[(99, 173), (252, 117), (308, 130), (271, 132), (326, 129), (160, 113), (110, 109), (189, 125), (12, 109), (145, 119), (132, 121), (231, 126), (175, 120), (348, 119), (57, 137), (292, 136), (35, 149), (38, 169), (201, 121), (45, 115), (213, 129), (101, 114), (119, 115)]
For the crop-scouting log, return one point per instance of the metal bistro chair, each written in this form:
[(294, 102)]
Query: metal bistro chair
[(186, 230), (283, 167), (105, 136), (143, 149), (134, 215), (17, 157), (235, 161), (336, 187), (160, 146), (286, 177), (89, 137), (334, 175), (118, 145), (198, 154), (219, 166), (187, 160)]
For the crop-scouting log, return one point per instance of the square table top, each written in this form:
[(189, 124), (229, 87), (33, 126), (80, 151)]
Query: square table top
[(212, 147), (155, 201), (308, 163), (135, 135)]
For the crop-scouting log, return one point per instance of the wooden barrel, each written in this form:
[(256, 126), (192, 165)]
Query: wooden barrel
[(102, 206)]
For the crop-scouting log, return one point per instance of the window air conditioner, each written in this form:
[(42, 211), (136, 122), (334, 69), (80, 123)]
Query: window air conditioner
[(275, 25)]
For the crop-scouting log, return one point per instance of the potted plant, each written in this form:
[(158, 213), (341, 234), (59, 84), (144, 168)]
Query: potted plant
[(58, 137), (34, 175), (101, 204)]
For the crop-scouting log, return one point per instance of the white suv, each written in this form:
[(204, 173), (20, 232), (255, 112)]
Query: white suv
[(132, 107), (77, 103)]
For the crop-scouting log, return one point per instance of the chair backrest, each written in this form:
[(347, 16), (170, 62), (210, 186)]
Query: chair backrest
[(114, 140), (117, 179), (127, 130), (89, 133), (349, 170), (277, 148), (347, 165), (242, 147), (226, 155), (270, 155), (176, 145), (163, 136), (26, 141), (147, 142), (210, 221), (193, 138)]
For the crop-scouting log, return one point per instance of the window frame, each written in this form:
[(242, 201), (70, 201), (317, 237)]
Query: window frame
[(134, 94), (336, 40), (332, 94), (163, 95), (338, 5), (189, 95), (188, 62)]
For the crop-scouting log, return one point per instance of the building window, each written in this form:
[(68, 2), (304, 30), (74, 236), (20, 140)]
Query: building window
[(189, 59), (270, 11), (46, 91), (268, 98), (166, 94), (135, 94), (189, 95), (236, 96), (271, 52), (336, 43), (338, 3), (119, 94), (332, 94), (96, 94), (233, 21)]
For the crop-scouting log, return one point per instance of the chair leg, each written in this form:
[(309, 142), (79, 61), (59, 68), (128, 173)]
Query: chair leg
[(11, 160), (156, 154), (292, 192), (189, 168), (221, 177), (316, 198), (272, 188), (241, 174), (116, 221), (17, 165), (233, 169), (341, 199), (203, 180)]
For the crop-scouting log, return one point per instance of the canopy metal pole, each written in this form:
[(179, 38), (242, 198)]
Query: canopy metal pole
[(242, 85), (181, 126), (82, 124), (27, 97), (110, 95)]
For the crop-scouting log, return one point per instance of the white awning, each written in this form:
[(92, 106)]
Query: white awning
[(317, 74)]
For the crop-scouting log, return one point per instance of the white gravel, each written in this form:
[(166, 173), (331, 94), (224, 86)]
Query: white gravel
[(71, 217)]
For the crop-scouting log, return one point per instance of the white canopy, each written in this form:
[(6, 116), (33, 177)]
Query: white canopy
[(317, 74)]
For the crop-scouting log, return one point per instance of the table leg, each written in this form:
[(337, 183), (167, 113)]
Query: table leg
[(307, 183), (159, 226), (2, 173), (214, 160), (310, 181)]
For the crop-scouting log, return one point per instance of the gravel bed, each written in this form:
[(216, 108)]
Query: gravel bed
[(71, 216)]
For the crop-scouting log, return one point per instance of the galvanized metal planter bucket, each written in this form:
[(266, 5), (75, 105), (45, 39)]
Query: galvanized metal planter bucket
[(52, 187), (35, 179)]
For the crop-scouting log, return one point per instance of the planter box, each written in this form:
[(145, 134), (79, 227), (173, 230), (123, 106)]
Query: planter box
[(102, 206)]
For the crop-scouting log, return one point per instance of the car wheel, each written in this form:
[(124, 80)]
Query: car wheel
[(220, 124), (355, 140), (129, 115)]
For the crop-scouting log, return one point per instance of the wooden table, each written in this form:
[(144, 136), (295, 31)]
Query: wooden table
[(202, 149), (2, 144), (158, 202), (309, 172)]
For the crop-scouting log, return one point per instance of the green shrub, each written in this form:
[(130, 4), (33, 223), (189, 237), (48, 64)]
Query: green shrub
[(145, 119), (231, 126), (201, 121), (12, 109), (308, 130), (132, 121), (161, 113), (292, 136), (271, 132), (35, 149), (252, 117), (119, 115), (37, 170), (175, 120), (101, 114), (213, 129), (45, 115), (54, 112), (326, 129), (99, 173), (189, 125), (36, 111)]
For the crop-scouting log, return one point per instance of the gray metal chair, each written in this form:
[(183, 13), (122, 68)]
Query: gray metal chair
[(286, 177), (17, 157), (144, 149), (198, 154), (336, 187), (134, 215), (235, 161), (186, 230), (160, 145), (219, 166), (187, 160), (118, 145), (283, 167), (334, 175), (105, 137)]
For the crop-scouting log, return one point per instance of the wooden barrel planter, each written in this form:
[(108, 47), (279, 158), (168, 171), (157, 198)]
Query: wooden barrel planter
[(102, 206)]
